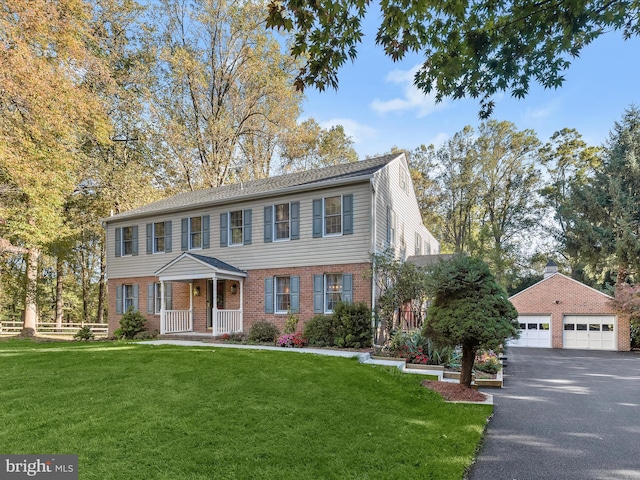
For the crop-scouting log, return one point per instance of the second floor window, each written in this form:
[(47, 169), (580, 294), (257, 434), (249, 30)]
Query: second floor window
[(127, 241), (333, 215), (158, 237), (195, 232), (418, 245), (282, 223), (235, 227)]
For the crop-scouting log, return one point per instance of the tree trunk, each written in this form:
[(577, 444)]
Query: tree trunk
[(466, 369), (30, 315), (59, 289), (101, 286)]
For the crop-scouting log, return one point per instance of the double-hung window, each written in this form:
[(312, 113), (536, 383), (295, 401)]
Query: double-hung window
[(235, 227), (127, 298), (158, 237), (333, 215), (282, 222), (282, 294), (332, 290), (127, 241), (418, 244), (195, 232)]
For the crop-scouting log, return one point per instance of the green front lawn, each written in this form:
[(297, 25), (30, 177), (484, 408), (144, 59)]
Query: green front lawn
[(133, 411)]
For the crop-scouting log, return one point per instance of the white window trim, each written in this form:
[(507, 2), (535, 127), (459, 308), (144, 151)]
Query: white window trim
[(325, 293), (393, 228), (125, 308), (418, 244), (275, 295), (229, 236), (191, 247), (122, 240), (157, 293), (153, 240), (275, 236), (324, 218)]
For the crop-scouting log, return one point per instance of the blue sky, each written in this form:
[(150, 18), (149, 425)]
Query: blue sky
[(379, 107)]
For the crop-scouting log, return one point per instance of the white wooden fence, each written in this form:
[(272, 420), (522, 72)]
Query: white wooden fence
[(176, 321), (228, 321), (52, 328)]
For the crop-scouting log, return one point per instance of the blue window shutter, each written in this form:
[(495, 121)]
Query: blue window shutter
[(268, 295), (168, 300), (268, 224), (347, 214), (246, 217), (295, 294), (295, 220), (135, 297), (205, 231), (347, 288), (318, 294), (118, 242), (119, 299), (184, 234), (167, 236), (149, 238), (224, 229), (150, 298), (317, 218), (134, 240)]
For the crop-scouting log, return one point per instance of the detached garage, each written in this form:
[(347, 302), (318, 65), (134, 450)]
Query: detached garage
[(560, 312)]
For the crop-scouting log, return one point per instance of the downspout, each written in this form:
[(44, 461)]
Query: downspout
[(373, 265)]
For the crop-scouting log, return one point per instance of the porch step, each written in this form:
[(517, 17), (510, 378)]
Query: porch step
[(196, 337)]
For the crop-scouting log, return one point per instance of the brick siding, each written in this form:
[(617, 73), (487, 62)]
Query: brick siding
[(253, 294), (558, 296)]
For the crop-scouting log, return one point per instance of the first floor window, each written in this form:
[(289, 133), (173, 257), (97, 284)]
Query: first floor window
[(127, 297), (235, 227), (333, 291), (283, 294)]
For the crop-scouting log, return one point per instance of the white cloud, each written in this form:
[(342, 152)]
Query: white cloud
[(412, 98), (543, 111), (357, 131), (438, 140)]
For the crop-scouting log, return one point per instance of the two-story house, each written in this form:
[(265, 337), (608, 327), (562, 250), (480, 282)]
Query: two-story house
[(220, 259)]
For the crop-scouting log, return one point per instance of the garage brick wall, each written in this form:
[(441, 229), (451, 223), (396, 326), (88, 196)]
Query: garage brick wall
[(560, 295)]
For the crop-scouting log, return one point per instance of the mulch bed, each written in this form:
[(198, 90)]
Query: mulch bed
[(454, 392)]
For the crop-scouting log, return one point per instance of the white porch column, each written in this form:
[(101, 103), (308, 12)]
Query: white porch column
[(241, 304), (163, 326), (191, 304), (214, 318)]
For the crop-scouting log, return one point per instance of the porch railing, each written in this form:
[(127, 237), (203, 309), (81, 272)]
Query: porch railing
[(177, 321), (227, 321)]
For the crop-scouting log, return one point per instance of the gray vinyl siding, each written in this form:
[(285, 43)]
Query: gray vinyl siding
[(389, 194), (306, 251)]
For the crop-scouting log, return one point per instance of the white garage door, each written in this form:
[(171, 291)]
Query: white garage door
[(590, 332), (535, 331)]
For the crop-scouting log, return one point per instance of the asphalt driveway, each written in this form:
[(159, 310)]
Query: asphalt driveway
[(564, 414)]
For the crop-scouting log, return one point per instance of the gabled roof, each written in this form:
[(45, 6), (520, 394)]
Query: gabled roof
[(343, 173), (555, 275), (208, 263)]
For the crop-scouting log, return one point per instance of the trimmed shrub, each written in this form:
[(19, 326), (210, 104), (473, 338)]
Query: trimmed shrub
[(319, 331), (131, 324), (263, 332), (352, 325)]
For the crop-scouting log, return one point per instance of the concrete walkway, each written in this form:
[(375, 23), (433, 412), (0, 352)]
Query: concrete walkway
[(564, 415)]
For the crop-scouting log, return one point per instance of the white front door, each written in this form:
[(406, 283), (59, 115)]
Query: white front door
[(535, 331), (590, 332)]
